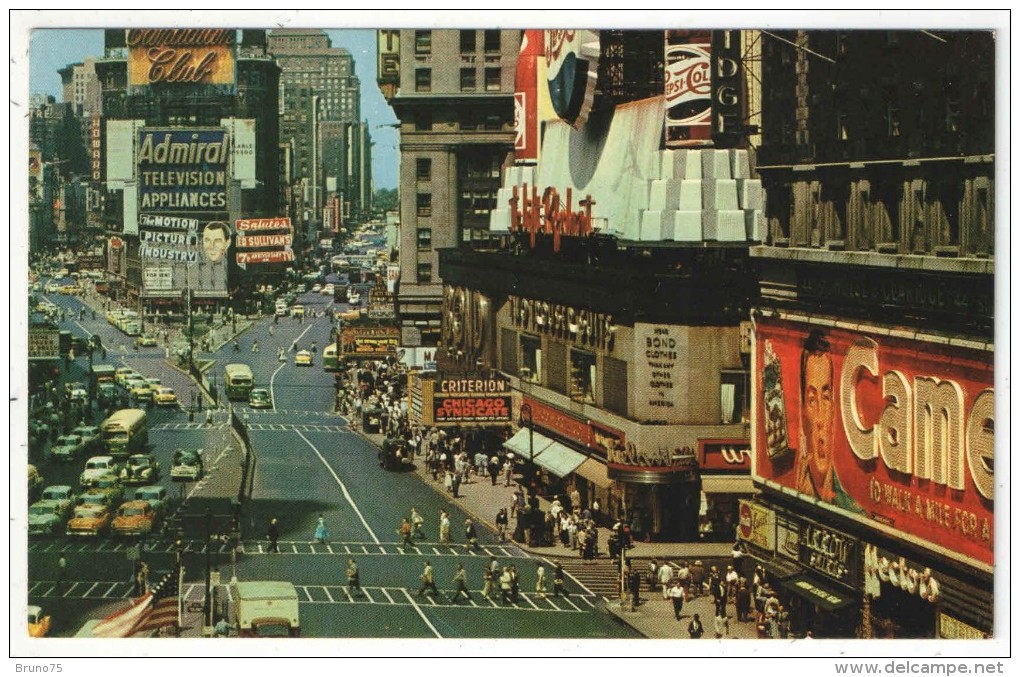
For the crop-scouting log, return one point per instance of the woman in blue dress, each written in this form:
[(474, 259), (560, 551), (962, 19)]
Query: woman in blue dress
[(321, 533)]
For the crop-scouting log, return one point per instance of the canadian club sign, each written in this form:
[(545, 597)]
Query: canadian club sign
[(176, 56)]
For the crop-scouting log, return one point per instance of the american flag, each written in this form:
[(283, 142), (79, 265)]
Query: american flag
[(154, 610)]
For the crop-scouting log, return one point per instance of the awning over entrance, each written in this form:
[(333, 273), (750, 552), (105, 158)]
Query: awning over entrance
[(727, 484), (558, 459), (594, 471), (521, 443), (815, 592)]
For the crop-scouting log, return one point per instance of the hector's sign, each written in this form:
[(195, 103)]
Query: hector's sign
[(889, 430)]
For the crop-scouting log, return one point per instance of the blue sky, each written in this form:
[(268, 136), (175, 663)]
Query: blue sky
[(52, 49)]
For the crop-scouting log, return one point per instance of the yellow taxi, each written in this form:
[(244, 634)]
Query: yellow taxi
[(38, 623), (303, 359), (297, 311), (122, 374), (164, 396)]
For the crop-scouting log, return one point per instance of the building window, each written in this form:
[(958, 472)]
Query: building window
[(469, 122), (424, 204), (467, 79), (423, 121), (491, 41), (423, 42), (467, 42), (531, 359), (424, 272), (424, 167), (424, 238), (423, 80), (733, 394), (582, 376), (492, 79)]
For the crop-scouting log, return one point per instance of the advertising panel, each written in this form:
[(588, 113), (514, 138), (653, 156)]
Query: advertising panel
[(892, 432), (370, 342), (182, 170), (472, 400), (688, 88), (271, 237), (185, 56), (599, 438), (278, 256), (179, 256), (830, 552), (757, 525), (727, 90), (526, 96), (725, 455), (572, 63), (659, 370), (157, 278), (260, 241), (274, 223), (43, 344)]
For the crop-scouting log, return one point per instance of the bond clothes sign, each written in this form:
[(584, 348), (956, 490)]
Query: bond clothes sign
[(182, 170), (174, 56), (463, 401), (901, 431)]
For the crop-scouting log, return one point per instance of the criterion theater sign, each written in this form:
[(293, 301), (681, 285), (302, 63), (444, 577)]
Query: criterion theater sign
[(182, 170), (186, 56), (472, 400)]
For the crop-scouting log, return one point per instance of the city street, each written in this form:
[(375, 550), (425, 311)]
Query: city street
[(308, 463)]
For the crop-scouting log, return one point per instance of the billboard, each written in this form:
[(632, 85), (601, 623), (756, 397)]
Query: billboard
[(459, 401), (688, 88), (177, 254), (526, 96), (272, 239), (370, 342), (180, 56), (895, 433), (182, 170), (572, 63)]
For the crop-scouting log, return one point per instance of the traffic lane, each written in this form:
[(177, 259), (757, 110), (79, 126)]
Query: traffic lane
[(293, 485), (299, 388), (385, 497)]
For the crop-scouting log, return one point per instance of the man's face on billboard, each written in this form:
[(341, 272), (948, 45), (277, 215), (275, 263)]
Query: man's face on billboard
[(818, 416), (214, 240)]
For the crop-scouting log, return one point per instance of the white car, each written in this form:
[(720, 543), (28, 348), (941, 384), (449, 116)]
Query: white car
[(317, 288), (96, 467)]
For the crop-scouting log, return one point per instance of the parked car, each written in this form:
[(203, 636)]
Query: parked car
[(134, 518), (38, 622), (140, 469), (63, 495), (122, 374), (303, 359), (76, 392), (260, 399), (67, 447), (91, 437), (297, 311), (96, 467), (106, 392), (164, 397), (45, 518), (187, 465), (90, 520), (155, 495), (145, 341), (95, 497), (140, 388)]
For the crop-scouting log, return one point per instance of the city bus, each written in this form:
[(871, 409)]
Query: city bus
[(330, 361), (238, 381), (126, 432)]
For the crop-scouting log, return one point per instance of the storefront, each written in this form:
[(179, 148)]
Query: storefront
[(725, 469)]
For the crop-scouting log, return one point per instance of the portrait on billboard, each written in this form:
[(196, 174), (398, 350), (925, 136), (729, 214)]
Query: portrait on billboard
[(816, 472), (216, 241)]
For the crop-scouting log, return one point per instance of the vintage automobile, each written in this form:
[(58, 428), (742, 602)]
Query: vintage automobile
[(91, 437), (35, 482), (67, 447), (97, 466), (76, 392), (109, 484), (164, 396), (53, 288), (155, 495), (140, 388), (297, 311), (38, 622), (140, 469), (63, 495), (134, 518), (90, 520), (187, 465), (303, 359), (145, 341), (260, 399), (106, 392), (393, 455), (45, 518), (122, 374)]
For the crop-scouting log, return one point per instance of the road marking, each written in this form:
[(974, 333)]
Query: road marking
[(109, 590), (387, 595), (528, 600), (343, 488), (365, 590), (272, 394), (421, 613)]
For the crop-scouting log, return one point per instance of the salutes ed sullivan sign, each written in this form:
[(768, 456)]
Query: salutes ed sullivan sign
[(887, 430)]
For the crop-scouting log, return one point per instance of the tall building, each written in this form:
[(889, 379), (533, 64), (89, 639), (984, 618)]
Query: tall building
[(453, 92), (191, 155), (320, 117), (80, 87), (873, 362)]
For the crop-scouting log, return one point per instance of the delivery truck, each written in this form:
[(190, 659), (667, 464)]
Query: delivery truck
[(265, 609)]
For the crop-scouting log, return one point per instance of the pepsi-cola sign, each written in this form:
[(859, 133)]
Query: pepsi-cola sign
[(571, 58)]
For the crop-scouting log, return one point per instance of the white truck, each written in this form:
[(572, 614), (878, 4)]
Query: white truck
[(265, 608)]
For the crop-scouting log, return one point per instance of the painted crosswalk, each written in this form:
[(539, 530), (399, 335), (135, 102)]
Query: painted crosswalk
[(194, 593), (293, 427)]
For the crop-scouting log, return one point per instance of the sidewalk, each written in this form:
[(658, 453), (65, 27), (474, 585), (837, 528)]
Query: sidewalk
[(654, 616)]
